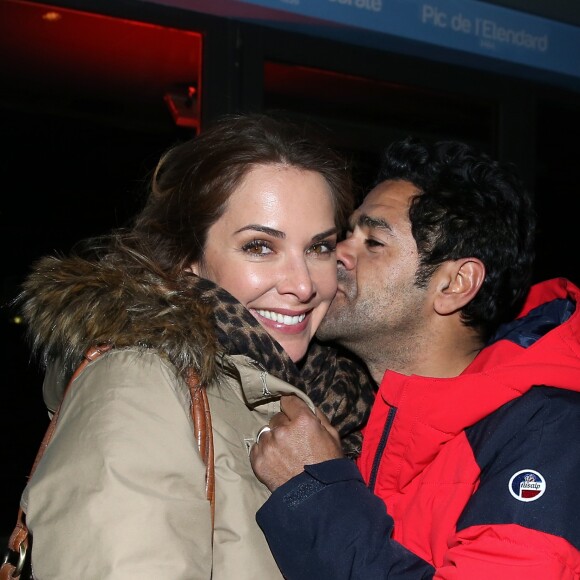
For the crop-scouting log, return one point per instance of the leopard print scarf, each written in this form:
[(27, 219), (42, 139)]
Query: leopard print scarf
[(338, 385)]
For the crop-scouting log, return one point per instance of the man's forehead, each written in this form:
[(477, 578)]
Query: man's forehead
[(387, 201)]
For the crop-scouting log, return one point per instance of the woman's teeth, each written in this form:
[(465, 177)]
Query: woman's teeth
[(281, 318)]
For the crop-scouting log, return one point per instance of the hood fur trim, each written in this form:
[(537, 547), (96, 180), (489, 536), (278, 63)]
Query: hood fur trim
[(70, 304)]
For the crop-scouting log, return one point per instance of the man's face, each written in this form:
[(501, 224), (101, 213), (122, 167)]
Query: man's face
[(377, 299)]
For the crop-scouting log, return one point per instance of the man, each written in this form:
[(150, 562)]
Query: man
[(471, 457)]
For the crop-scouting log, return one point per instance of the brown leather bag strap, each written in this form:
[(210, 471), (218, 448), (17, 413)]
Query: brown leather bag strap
[(201, 415), (92, 354), (15, 558)]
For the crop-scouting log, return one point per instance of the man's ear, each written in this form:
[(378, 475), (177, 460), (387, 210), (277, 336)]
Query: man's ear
[(458, 282)]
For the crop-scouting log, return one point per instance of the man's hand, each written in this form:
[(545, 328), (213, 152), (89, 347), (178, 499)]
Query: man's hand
[(297, 438)]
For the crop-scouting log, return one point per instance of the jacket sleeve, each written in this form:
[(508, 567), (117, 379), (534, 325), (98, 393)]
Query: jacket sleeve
[(326, 524), (119, 493)]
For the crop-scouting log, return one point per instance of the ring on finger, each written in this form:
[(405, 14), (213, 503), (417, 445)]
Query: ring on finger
[(261, 431)]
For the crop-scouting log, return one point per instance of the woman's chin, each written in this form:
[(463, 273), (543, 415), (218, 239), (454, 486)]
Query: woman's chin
[(295, 351), (295, 346)]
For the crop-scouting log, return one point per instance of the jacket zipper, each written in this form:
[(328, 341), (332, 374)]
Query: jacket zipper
[(381, 447)]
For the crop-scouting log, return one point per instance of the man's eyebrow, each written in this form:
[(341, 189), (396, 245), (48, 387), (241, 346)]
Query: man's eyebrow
[(365, 220), (264, 229)]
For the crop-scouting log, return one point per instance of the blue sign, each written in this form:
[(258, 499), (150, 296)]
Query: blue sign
[(450, 30)]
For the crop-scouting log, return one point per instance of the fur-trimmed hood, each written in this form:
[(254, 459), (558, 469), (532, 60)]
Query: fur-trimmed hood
[(70, 304)]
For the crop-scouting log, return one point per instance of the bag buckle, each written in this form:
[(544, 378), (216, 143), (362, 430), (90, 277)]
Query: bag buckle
[(11, 556)]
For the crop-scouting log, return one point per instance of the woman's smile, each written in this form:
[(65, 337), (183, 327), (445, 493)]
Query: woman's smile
[(282, 322)]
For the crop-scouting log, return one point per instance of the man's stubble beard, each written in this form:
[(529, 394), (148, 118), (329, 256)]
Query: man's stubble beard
[(347, 321), (334, 325)]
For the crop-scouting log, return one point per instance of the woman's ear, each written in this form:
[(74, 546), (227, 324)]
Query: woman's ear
[(193, 268), (458, 284)]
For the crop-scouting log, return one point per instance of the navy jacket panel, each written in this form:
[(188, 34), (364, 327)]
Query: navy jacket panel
[(326, 524), (529, 470)]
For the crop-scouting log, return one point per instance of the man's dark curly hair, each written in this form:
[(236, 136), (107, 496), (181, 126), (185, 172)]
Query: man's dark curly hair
[(468, 205)]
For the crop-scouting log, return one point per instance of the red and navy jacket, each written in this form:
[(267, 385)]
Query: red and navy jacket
[(476, 476)]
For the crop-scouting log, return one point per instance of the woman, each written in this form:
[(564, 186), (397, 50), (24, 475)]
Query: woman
[(228, 270)]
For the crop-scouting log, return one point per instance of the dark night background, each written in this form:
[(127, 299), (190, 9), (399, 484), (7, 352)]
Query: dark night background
[(78, 148)]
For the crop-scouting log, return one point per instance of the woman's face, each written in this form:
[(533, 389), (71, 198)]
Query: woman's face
[(274, 250)]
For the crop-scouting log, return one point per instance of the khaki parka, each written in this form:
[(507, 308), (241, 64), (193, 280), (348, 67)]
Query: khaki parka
[(121, 487), (120, 491)]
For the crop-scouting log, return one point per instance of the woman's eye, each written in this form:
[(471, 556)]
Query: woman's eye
[(324, 247), (257, 247)]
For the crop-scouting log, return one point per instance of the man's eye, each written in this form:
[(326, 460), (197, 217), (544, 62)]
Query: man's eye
[(373, 243), (257, 247)]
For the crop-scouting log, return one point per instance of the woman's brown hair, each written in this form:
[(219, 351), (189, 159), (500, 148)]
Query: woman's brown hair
[(193, 181)]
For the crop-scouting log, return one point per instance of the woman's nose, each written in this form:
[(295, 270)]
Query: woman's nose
[(297, 280)]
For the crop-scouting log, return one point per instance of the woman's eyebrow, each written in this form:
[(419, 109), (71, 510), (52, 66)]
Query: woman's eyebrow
[(325, 234), (264, 229), (281, 235)]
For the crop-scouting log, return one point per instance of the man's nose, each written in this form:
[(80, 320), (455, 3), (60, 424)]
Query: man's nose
[(345, 254)]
